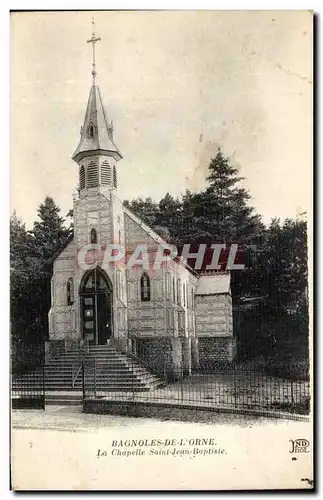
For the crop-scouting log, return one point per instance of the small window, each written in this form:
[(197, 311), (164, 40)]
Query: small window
[(70, 292), (91, 130), (145, 287), (94, 236)]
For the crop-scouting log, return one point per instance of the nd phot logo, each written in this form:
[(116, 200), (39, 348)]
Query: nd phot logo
[(299, 446)]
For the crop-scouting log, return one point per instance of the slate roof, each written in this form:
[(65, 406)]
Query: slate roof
[(102, 139)]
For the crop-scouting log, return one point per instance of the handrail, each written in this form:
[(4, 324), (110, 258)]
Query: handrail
[(144, 363), (76, 371), (83, 350)]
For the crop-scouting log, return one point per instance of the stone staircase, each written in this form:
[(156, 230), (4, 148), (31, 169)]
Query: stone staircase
[(114, 372)]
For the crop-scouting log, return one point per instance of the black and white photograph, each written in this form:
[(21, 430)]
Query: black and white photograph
[(161, 171)]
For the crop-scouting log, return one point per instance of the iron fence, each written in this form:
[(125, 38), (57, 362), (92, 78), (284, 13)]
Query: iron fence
[(27, 376), (229, 388)]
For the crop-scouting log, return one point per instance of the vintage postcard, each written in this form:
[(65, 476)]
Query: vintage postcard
[(160, 246)]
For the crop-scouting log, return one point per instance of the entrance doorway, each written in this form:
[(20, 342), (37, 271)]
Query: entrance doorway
[(96, 307)]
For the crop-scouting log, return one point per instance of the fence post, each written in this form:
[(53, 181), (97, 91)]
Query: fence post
[(182, 376), (83, 381), (43, 384), (292, 391), (235, 385), (94, 377), (134, 379)]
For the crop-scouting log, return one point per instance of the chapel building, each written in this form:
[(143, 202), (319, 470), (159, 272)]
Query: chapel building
[(172, 318)]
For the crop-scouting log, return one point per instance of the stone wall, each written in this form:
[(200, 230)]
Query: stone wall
[(93, 211), (215, 352), (145, 318), (62, 316)]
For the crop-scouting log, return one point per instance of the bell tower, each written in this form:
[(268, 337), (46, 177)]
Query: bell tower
[(98, 211), (96, 153)]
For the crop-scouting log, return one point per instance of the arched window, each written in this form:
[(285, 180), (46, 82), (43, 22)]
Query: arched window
[(145, 287), (94, 236), (82, 177), (91, 130), (70, 291), (95, 281)]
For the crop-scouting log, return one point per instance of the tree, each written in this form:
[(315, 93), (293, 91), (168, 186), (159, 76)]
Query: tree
[(279, 319), (220, 212), (25, 268), (283, 264), (169, 218), (49, 232), (31, 271)]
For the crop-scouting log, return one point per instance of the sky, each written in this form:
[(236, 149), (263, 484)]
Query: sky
[(177, 85)]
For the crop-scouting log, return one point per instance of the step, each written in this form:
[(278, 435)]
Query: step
[(65, 401), (98, 375), (113, 361), (115, 372), (108, 373)]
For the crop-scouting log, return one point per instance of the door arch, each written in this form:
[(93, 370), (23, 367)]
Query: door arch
[(96, 299)]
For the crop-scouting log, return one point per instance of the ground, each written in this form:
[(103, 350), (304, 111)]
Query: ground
[(71, 418)]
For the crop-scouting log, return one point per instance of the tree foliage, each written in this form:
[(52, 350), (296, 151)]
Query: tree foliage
[(31, 270)]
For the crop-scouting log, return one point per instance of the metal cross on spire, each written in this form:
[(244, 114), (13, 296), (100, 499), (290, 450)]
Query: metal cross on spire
[(93, 40)]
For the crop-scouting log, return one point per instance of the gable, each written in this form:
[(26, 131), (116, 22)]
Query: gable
[(66, 251), (136, 231)]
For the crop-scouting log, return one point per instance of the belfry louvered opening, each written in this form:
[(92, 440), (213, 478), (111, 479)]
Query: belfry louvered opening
[(106, 173), (114, 176), (82, 177), (92, 175)]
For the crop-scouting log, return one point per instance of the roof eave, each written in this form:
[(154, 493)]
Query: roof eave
[(104, 152)]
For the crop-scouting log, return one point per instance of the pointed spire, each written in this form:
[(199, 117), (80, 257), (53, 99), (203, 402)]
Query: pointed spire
[(96, 132), (93, 40)]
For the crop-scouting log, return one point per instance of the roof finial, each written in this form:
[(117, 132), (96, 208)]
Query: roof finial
[(93, 40)]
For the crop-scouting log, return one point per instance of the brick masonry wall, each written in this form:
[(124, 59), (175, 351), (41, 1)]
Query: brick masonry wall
[(215, 352)]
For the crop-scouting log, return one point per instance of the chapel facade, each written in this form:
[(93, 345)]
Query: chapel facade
[(172, 318)]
